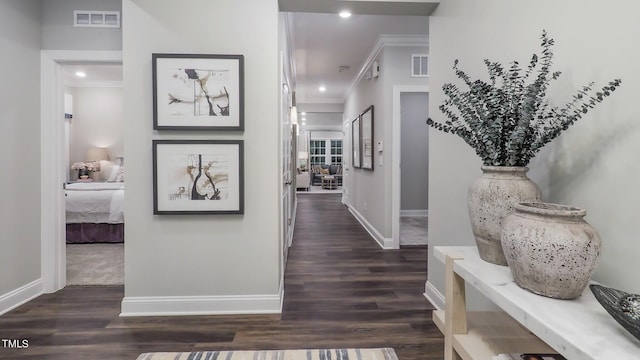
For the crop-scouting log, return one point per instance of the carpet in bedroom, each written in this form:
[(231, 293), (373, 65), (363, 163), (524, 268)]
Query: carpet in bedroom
[(95, 264)]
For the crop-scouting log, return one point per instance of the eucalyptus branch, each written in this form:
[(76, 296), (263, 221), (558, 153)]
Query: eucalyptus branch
[(508, 119)]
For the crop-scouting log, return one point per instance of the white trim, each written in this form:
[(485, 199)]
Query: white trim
[(202, 305), (19, 296), (385, 243), (52, 256), (385, 40), (53, 249), (434, 296), (414, 213), (293, 220), (396, 137)]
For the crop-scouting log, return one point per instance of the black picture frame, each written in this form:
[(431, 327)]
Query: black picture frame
[(356, 154), (198, 92), (198, 177), (366, 138)]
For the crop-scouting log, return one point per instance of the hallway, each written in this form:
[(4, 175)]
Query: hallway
[(349, 291), (341, 290)]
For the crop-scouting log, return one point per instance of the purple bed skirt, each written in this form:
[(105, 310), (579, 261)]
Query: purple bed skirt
[(95, 233)]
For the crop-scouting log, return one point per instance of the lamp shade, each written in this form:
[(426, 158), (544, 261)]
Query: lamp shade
[(97, 154), (303, 155)]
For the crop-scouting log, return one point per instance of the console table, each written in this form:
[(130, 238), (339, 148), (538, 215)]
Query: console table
[(578, 329)]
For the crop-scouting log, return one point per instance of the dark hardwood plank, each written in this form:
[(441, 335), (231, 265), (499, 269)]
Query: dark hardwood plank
[(341, 290)]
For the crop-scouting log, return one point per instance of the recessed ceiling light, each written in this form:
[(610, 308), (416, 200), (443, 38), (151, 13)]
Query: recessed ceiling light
[(303, 113), (322, 89), (80, 74), (345, 14)]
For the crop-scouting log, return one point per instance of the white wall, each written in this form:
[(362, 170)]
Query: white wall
[(374, 187), (594, 164), (97, 122), (333, 135), (19, 147), (58, 32), (367, 189), (205, 263)]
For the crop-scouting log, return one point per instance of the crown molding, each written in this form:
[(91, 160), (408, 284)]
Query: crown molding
[(385, 40)]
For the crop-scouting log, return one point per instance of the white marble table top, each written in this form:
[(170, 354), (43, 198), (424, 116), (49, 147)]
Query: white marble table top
[(578, 329)]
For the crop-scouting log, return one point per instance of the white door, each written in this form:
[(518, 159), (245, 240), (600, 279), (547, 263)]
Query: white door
[(287, 132)]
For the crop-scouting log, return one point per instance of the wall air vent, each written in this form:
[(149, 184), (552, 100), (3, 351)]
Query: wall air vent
[(103, 19), (419, 65)]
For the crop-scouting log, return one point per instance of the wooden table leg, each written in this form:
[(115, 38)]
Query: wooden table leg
[(455, 309)]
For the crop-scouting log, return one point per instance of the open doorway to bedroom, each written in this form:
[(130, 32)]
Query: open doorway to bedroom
[(93, 168)]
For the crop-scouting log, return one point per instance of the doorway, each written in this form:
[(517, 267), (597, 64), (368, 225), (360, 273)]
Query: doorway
[(414, 172), (410, 165), (53, 238), (94, 136)]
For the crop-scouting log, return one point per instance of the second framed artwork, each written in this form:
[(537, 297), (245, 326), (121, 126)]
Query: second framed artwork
[(355, 142), (366, 138), (198, 92), (198, 177)]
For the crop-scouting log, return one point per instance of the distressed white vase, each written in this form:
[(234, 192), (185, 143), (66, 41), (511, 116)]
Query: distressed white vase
[(490, 199), (550, 249)]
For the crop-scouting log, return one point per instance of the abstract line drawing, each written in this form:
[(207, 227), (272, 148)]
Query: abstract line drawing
[(189, 92), (198, 92), (198, 176)]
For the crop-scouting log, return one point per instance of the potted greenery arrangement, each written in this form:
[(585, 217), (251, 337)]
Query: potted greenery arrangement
[(507, 120)]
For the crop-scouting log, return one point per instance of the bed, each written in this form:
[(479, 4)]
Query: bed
[(95, 212)]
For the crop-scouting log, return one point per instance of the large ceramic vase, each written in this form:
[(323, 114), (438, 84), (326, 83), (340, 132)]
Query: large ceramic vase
[(490, 199), (550, 249)]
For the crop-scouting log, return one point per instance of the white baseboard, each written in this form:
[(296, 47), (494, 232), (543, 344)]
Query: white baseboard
[(434, 296), (293, 222), (21, 295), (411, 213), (201, 305), (385, 243)]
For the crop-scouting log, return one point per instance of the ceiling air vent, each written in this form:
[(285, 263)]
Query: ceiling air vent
[(419, 65), (104, 19)]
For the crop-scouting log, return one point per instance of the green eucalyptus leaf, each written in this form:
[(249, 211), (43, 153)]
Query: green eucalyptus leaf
[(508, 119)]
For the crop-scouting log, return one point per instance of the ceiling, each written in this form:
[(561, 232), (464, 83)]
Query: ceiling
[(96, 74), (321, 42)]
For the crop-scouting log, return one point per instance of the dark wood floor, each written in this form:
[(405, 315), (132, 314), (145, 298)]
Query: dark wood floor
[(341, 290)]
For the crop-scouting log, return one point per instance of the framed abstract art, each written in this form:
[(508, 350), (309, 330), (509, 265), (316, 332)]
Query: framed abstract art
[(198, 92), (366, 138), (198, 177)]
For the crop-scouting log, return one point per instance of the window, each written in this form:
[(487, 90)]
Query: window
[(336, 152), (317, 152), (325, 151)]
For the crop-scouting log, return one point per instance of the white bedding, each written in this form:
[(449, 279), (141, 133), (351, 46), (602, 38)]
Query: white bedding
[(95, 203)]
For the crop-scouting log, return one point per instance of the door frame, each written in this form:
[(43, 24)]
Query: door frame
[(396, 156), (53, 256)]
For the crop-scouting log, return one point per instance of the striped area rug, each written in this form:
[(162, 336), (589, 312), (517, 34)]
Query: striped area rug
[(311, 354)]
